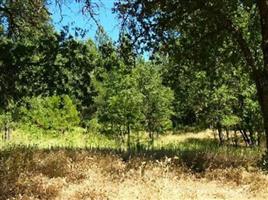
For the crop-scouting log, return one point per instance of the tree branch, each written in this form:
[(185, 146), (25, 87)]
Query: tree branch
[(238, 36)]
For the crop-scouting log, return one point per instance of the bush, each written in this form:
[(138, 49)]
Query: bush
[(93, 125), (263, 163), (5, 118), (50, 113)]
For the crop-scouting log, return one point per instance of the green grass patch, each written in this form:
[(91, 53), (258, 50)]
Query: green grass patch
[(196, 151)]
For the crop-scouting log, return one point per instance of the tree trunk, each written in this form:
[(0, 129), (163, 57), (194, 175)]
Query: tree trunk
[(214, 130), (128, 137), (235, 138), (138, 145), (220, 134), (262, 85), (151, 139), (227, 135), (252, 138), (7, 133), (258, 138), (262, 90), (265, 118), (258, 73), (245, 137)]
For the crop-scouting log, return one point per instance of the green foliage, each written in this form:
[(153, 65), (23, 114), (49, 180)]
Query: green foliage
[(25, 36), (93, 126), (215, 95), (133, 100), (24, 18), (107, 50), (126, 51), (50, 113), (119, 102), (35, 60), (230, 121), (157, 99), (263, 162), (207, 53), (214, 52), (6, 119)]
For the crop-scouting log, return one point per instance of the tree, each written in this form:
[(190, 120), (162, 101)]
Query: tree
[(70, 72), (156, 98), (210, 91), (50, 113), (119, 102), (202, 26), (47, 64), (126, 51), (23, 18), (133, 100), (23, 24), (25, 30)]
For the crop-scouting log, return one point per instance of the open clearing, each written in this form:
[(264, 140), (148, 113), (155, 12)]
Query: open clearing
[(67, 173)]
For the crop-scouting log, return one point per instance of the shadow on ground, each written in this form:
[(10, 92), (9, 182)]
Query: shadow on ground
[(192, 155)]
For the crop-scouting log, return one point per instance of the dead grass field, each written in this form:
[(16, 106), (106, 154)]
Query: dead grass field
[(74, 174)]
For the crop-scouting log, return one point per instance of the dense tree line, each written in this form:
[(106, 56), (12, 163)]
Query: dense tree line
[(53, 81), (206, 70), (209, 35)]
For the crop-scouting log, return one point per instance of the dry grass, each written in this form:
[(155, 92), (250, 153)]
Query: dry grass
[(191, 166), (170, 138), (74, 175)]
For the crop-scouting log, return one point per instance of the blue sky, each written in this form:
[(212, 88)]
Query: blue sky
[(72, 16)]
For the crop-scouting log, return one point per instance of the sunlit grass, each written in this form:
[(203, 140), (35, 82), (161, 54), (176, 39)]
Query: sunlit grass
[(37, 160), (76, 138), (192, 148)]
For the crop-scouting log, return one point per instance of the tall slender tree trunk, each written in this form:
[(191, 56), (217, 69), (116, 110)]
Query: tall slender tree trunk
[(128, 137), (221, 139), (259, 73), (227, 135), (262, 87), (7, 132), (252, 137), (245, 137), (265, 117), (235, 138)]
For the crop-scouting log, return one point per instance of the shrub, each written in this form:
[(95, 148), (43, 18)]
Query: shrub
[(7, 123), (93, 126), (50, 113), (5, 118), (263, 163)]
